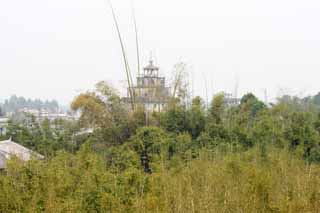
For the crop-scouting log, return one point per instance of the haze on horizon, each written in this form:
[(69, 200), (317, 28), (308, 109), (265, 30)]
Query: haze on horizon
[(54, 49)]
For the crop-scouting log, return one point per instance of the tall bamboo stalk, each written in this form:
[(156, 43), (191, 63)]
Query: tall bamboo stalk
[(236, 88), (137, 45), (126, 64), (137, 40), (178, 79), (206, 89)]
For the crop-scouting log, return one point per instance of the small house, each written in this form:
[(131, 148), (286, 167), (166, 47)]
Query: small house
[(9, 149)]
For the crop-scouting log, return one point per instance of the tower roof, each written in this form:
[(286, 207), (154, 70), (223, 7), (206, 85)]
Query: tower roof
[(151, 66)]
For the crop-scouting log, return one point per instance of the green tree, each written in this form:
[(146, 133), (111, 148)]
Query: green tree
[(174, 119), (302, 135), (196, 117), (215, 126), (217, 109), (251, 104), (151, 143), (103, 110)]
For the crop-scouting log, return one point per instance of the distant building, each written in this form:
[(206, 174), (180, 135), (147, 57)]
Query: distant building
[(9, 149), (43, 114), (150, 89), (230, 100), (3, 125)]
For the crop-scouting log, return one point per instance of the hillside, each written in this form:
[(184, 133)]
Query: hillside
[(187, 158)]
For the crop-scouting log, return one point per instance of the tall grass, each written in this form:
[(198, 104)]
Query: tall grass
[(245, 182), (218, 181)]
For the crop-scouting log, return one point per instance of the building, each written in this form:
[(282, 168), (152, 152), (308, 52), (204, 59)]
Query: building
[(3, 125), (43, 114), (9, 149), (150, 89), (230, 100), (3, 160)]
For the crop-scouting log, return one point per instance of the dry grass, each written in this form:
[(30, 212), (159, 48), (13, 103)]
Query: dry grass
[(236, 183), (252, 181)]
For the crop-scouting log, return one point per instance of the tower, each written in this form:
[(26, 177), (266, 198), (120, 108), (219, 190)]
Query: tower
[(150, 89), (151, 70)]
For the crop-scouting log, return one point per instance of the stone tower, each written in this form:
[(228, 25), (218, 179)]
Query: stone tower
[(150, 89)]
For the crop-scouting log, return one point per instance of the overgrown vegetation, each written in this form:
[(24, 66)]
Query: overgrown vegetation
[(246, 158)]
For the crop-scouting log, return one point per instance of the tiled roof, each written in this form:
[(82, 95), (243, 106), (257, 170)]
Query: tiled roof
[(9, 148)]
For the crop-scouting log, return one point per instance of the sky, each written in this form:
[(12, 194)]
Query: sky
[(55, 49)]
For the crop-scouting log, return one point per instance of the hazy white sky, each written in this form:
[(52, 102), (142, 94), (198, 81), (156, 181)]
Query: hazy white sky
[(53, 49)]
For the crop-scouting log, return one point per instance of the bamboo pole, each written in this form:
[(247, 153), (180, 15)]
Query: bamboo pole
[(126, 64), (137, 40)]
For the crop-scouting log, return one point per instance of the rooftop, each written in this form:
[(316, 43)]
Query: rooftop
[(151, 66), (4, 120), (9, 148)]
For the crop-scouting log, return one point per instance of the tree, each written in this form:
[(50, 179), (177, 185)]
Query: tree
[(103, 110), (268, 129), (151, 143), (196, 117), (317, 123), (181, 146), (217, 109), (302, 135), (251, 104), (316, 99), (15, 103), (180, 84), (174, 119), (215, 130)]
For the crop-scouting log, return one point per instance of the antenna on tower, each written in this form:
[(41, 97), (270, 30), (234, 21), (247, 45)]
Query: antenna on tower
[(151, 56)]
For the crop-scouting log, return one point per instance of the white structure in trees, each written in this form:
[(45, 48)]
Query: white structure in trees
[(9, 149), (150, 89)]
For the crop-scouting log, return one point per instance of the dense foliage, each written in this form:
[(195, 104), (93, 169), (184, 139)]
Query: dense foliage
[(246, 158)]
